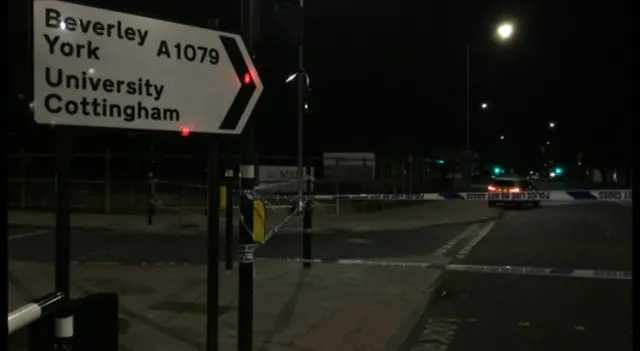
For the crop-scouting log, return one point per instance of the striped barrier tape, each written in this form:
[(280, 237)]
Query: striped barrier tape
[(280, 184), (552, 195), (280, 226), (555, 195), (517, 270)]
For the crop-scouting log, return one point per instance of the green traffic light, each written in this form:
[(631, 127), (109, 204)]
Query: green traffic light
[(497, 170), (558, 170)]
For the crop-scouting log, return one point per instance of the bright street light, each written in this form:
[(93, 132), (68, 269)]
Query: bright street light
[(294, 75), (484, 105), (552, 124), (502, 137), (505, 30), (291, 77), (548, 143)]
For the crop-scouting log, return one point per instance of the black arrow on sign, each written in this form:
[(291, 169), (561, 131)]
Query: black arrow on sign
[(247, 86)]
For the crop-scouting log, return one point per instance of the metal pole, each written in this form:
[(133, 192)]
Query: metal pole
[(213, 227), (228, 226), (301, 86), (150, 199), (302, 82), (63, 212), (64, 319), (307, 223), (151, 187), (247, 183)]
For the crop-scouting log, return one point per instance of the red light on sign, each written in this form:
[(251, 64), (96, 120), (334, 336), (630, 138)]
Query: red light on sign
[(247, 78), (185, 132)]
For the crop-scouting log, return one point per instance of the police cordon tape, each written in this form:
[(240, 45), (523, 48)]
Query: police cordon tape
[(517, 270), (556, 195)]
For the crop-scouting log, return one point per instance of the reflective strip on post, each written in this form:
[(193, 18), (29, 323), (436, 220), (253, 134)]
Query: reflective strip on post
[(259, 221), (64, 327)]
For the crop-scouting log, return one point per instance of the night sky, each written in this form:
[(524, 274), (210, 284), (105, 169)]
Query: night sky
[(389, 76)]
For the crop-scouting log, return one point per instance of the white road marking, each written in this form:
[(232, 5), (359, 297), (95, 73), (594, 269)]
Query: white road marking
[(437, 335), (465, 250), (26, 235), (579, 327), (524, 324), (442, 250)]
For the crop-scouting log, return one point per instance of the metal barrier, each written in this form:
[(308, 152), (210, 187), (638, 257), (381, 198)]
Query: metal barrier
[(33, 311), (55, 322), (38, 309)]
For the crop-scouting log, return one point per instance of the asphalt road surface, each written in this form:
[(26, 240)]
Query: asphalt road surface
[(36, 245), (476, 312)]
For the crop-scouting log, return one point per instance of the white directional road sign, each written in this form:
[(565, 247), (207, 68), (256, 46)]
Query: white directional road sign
[(100, 68)]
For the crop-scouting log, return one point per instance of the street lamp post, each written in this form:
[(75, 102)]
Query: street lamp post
[(504, 32), (301, 101), (303, 87)]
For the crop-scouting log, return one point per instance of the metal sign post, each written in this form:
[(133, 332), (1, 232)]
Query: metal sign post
[(213, 240), (64, 319), (247, 184), (228, 214)]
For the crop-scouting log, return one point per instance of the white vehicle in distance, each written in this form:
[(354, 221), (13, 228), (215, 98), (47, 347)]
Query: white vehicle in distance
[(511, 185)]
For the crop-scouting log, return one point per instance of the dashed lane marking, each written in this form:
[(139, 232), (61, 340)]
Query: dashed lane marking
[(444, 249), (467, 249)]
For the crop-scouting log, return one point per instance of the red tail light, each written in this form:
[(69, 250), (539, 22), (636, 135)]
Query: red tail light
[(492, 188), (514, 190)]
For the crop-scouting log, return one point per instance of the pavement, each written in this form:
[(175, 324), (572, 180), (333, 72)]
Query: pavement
[(325, 308), (508, 312)]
